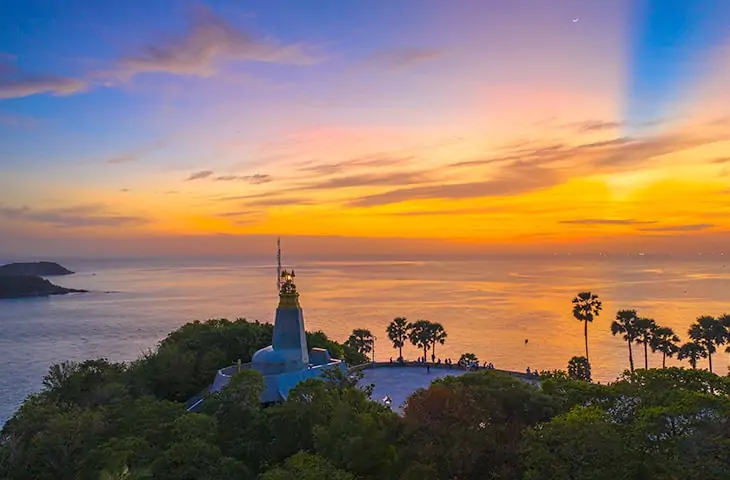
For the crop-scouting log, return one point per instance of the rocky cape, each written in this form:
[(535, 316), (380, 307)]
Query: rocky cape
[(22, 286), (23, 280), (43, 269)]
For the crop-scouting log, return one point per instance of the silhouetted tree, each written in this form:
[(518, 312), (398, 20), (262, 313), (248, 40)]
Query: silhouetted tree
[(645, 328), (419, 333), (692, 351), (709, 332), (625, 324), (438, 335), (579, 368), (398, 333), (361, 340), (467, 358), (665, 341), (586, 306)]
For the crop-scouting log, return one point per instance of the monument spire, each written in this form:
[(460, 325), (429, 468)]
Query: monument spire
[(278, 264)]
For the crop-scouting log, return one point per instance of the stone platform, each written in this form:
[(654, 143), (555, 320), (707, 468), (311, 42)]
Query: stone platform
[(400, 381)]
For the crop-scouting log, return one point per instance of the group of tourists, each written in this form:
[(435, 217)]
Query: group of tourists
[(471, 366)]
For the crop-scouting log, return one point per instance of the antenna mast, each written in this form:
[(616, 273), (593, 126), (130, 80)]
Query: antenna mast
[(278, 264)]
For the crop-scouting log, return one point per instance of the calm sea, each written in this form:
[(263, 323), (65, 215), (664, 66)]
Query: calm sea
[(489, 307)]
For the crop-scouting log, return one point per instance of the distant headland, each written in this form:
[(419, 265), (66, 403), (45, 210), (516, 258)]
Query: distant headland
[(43, 269), (23, 280)]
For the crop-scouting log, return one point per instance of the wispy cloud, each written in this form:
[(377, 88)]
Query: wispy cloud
[(255, 179), (199, 175), (370, 161), (401, 58), (513, 181), (369, 180), (606, 221), (527, 168), (494, 209), (209, 41), (71, 217), (17, 84), (679, 228), (607, 155), (274, 201), (243, 217), (243, 213), (591, 126)]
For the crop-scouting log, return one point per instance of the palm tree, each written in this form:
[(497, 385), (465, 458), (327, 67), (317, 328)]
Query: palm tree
[(625, 324), (709, 332), (665, 341), (724, 320), (420, 335), (586, 306), (361, 340), (438, 335), (645, 328), (692, 351), (398, 333)]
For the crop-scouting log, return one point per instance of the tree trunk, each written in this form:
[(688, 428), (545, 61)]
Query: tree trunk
[(694, 364), (709, 357), (664, 360), (425, 353), (400, 352), (585, 333), (646, 356), (631, 358)]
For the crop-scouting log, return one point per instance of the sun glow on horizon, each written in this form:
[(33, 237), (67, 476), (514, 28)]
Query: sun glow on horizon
[(482, 124)]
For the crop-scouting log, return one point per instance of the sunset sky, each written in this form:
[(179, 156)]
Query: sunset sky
[(425, 125)]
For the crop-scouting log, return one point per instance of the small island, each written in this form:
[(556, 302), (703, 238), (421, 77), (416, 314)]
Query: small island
[(23, 286), (42, 269), (23, 280)]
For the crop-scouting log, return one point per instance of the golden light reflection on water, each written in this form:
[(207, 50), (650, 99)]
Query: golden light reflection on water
[(487, 307)]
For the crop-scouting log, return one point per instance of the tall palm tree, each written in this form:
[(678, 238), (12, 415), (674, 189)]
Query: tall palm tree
[(724, 319), (397, 332), (361, 340), (709, 332), (665, 341), (420, 335), (625, 324), (692, 351), (438, 335), (586, 306), (645, 328)]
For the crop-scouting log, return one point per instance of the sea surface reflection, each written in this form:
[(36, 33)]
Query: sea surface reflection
[(488, 307)]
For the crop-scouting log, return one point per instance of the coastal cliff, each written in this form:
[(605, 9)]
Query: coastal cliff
[(22, 286), (43, 269)]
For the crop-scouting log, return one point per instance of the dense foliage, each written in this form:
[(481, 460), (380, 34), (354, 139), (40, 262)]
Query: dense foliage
[(99, 419)]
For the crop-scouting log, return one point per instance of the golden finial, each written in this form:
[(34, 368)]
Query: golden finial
[(288, 295)]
